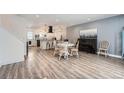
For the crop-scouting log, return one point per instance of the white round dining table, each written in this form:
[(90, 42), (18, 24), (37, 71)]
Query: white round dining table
[(65, 44)]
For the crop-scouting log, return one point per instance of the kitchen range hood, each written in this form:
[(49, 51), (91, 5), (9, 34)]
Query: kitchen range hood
[(50, 30)]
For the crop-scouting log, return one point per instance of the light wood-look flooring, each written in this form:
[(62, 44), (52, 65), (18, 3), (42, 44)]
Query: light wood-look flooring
[(42, 64)]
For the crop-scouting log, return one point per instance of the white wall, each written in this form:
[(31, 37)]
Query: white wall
[(12, 39), (16, 26), (11, 49)]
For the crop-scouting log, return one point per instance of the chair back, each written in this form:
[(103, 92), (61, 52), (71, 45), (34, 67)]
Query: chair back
[(77, 44), (104, 44)]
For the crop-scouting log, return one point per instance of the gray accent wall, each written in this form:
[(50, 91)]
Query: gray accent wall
[(108, 29)]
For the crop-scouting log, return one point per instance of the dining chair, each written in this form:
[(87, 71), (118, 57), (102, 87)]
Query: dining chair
[(103, 48), (74, 50), (64, 52), (56, 48)]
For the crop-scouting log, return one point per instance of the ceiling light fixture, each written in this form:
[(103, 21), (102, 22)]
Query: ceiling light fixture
[(57, 20), (88, 19), (37, 16)]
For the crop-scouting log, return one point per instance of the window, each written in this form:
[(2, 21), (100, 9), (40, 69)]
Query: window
[(30, 35)]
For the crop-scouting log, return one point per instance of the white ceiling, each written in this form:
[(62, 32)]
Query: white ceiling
[(63, 19)]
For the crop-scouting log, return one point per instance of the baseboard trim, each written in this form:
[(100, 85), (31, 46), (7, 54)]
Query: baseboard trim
[(116, 56)]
